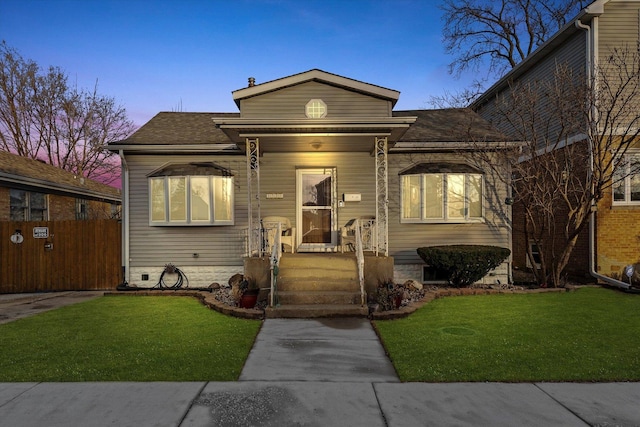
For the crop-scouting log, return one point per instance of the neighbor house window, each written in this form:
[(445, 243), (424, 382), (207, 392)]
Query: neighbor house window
[(27, 206), (626, 180), (441, 193), (82, 211), (201, 194)]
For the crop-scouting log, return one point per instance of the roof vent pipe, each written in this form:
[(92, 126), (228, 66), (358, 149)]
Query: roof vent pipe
[(252, 81)]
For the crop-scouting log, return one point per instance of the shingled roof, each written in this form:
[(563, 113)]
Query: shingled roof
[(443, 125), (23, 172), (449, 125), (180, 128)]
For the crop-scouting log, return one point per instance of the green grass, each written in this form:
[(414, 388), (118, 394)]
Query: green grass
[(592, 334), (126, 339)]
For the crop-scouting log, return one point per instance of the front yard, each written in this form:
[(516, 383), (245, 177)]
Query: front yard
[(591, 334), (127, 339)]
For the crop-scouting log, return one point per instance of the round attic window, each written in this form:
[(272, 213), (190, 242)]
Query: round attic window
[(316, 109)]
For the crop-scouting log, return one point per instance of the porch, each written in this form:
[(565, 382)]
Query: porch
[(318, 284)]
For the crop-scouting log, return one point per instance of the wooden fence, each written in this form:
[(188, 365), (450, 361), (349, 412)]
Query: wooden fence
[(60, 255)]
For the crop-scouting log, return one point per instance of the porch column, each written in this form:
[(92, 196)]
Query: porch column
[(382, 199), (253, 194)]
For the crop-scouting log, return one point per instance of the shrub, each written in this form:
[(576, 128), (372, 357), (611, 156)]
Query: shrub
[(463, 265)]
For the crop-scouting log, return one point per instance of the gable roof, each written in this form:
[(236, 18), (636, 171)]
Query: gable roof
[(319, 76), (30, 174)]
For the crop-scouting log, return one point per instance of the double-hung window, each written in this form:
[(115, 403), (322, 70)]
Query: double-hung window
[(626, 179), (27, 206), (441, 193), (193, 194)]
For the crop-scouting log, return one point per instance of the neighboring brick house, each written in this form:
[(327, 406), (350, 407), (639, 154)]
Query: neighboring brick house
[(613, 239), (31, 190)]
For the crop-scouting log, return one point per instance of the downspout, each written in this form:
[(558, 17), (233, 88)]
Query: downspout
[(592, 215), (125, 219)]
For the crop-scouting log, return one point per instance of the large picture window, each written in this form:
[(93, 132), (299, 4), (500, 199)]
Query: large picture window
[(441, 193), (626, 180), (190, 199)]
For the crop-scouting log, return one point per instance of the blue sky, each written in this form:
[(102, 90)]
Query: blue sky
[(189, 55)]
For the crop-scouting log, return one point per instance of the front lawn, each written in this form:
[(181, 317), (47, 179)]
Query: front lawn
[(592, 334), (127, 338)]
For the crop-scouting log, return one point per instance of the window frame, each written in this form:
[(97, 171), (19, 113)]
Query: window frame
[(166, 201), (445, 217), (27, 207), (626, 181)]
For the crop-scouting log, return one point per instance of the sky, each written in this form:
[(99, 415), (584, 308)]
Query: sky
[(189, 55)]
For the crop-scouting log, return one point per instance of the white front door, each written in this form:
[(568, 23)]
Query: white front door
[(316, 200)]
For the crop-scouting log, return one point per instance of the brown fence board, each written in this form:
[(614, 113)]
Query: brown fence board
[(86, 255)]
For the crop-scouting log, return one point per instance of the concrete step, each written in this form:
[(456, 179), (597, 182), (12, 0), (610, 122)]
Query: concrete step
[(318, 310), (318, 284), (319, 297), (311, 272)]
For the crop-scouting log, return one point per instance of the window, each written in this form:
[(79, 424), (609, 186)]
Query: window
[(441, 193), (81, 209), (27, 206), (626, 180), (202, 194), (316, 109)]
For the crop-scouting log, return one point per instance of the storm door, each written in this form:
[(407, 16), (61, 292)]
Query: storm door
[(316, 201)]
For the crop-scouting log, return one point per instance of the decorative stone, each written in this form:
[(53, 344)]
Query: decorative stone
[(413, 284)]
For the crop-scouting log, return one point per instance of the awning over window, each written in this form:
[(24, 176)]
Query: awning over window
[(439, 168), (195, 168)]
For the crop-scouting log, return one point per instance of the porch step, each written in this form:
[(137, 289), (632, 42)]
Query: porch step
[(318, 297), (313, 272), (316, 310)]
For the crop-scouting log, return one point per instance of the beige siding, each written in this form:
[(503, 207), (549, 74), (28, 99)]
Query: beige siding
[(290, 103), (618, 27), (404, 239), (157, 246)]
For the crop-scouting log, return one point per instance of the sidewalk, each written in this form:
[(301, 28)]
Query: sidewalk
[(323, 372)]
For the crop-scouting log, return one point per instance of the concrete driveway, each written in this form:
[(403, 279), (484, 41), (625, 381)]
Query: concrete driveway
[(18, 306)]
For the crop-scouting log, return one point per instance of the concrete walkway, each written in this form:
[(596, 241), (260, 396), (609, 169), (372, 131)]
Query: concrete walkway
[(329, 372)]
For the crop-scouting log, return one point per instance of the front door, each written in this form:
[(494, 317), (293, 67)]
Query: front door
[(316, 201)]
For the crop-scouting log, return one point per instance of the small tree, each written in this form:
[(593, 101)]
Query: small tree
[(574, 130)]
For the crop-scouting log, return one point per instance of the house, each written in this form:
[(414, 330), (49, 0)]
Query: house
[(31, 190), (612, 240), (318, 151)]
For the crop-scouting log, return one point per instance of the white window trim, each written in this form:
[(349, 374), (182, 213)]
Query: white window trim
[(189, 222), (444, 219), (311, 113), (627, 182)]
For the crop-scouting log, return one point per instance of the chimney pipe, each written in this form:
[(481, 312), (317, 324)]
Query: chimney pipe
[(252, 81)]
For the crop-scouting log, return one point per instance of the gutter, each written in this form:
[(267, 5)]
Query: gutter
[(125, 218), (592, 216)]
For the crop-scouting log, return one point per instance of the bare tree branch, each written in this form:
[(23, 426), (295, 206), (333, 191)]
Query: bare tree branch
[(42, 117)]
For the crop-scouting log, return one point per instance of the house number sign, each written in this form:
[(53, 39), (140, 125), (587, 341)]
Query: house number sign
[(40, 232)]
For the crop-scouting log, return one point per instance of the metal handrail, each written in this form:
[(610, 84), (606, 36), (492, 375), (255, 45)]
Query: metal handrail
[(276, 254), (360, 260)]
